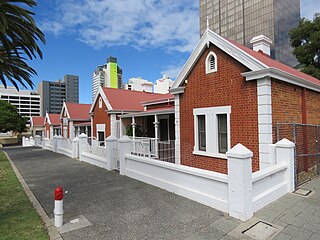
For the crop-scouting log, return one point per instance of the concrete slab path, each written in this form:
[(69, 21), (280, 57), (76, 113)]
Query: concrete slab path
[(119, 207)]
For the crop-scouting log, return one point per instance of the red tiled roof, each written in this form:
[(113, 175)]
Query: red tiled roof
[(271, 63), (54, 118), (121, 99), (78, 110), (38, 121)]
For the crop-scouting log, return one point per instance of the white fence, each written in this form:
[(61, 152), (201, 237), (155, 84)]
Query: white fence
[(64, 146), (239, 193), (32, 141)]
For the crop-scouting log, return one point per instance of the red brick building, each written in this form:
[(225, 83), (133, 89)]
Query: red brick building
[(110, 103), (75, 119), (228, 94), (52, 125), (37, 126)]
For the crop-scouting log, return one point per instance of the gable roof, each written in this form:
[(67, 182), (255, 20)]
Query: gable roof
[(53, 118), (260, 65), (127, 100), (37, 121), (77, 111)]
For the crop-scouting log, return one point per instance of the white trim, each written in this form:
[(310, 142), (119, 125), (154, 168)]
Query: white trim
[(212, 148), (264, 121), (147, 113), (177, 128), (282, 76), (178, 90), (226, 46), (208, 62), (104, 97), (113, 126)]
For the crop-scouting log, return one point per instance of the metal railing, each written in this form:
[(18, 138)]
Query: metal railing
[(153, 148)]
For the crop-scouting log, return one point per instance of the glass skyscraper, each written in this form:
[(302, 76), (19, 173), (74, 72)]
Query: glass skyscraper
[(241, 20)]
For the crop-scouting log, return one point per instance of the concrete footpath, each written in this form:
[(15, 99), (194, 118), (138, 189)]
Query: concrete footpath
[(102, 204)]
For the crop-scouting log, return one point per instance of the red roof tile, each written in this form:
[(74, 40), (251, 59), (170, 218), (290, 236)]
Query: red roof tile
[(128, 100), (38, 121), (271, 63), (54, 118), (78, 110)]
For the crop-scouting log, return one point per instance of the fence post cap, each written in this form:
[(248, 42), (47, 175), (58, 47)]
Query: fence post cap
[(239, 151), (285, 143), (111, 139), (124, 139), (82, 135), (31, 137), (76, 139)]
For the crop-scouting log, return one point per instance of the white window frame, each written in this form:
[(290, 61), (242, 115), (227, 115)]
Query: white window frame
[(212, 138), (208, 65)]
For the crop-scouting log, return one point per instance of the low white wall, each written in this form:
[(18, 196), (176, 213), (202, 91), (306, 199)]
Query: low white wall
[(64, 151), (268, 185), (93, 159), (203, 186)]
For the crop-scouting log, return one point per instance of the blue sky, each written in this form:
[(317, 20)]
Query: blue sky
[(149, 37)]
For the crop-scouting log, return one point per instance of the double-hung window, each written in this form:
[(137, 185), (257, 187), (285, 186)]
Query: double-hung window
[(212, 131)]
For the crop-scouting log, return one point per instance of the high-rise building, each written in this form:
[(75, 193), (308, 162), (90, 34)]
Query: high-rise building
[(53, 94), (241, 20), (27, 102), (107, 75)]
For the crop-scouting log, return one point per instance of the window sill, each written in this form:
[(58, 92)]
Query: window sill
[(207, 154)]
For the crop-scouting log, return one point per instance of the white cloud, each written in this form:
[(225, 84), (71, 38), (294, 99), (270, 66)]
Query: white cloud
[(172, 70), (170, 24)]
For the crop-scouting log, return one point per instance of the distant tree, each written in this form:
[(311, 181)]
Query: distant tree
[(10, 119), (305, 39), (18, 42)]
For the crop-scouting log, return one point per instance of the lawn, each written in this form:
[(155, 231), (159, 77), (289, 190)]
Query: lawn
[(18, 218)]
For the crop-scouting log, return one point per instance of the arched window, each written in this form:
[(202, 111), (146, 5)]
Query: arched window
[(100, 102), (211, 63)]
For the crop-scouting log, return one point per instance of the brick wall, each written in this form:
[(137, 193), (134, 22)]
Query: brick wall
[(226, 87), (313, 107), (101, 117)]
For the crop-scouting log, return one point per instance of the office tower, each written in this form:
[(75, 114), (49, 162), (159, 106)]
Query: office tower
[(27, 102), (241, 20), (107, 75), (53, 94)]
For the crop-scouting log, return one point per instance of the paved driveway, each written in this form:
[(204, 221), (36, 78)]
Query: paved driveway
[(118, 207)]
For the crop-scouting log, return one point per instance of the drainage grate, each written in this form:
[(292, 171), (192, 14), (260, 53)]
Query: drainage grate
[(302, 192), (260, 231)]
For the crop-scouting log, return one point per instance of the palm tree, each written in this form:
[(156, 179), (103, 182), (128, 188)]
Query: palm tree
[(18, 42)]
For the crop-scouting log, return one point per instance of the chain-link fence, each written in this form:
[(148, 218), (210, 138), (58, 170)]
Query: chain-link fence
[(307, 150)]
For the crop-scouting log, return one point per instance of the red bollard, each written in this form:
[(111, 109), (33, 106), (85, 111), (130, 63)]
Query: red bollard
[(58, 207)]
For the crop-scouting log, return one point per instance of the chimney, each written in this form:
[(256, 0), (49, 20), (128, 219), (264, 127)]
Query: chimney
[(261, 43)]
